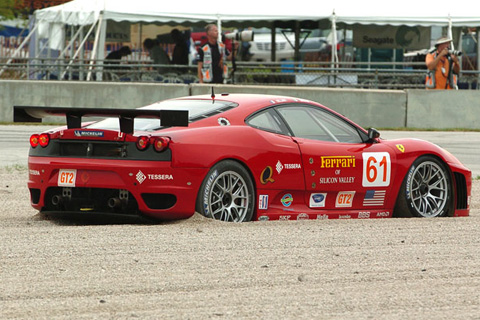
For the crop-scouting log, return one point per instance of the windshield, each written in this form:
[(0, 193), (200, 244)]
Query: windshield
[(197, 110)]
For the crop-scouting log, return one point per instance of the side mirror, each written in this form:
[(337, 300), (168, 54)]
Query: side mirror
[(373, 134)]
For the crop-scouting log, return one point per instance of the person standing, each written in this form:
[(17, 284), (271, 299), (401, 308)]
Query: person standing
[(211, 58), (443, 66), (158, 55), (180, 51)]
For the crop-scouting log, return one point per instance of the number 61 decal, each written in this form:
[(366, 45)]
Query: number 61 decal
[(376, 169)]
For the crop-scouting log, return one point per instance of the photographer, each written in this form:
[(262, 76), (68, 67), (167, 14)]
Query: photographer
[(443, 66)]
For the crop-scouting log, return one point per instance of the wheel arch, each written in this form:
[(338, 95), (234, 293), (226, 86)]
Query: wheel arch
[(443, 162), (238, 161)]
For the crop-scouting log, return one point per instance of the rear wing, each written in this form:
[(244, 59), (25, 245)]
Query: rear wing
[(169, 118)]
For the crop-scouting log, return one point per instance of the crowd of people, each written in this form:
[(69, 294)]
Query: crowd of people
[(211, 58), (442, 63), (157, 53)]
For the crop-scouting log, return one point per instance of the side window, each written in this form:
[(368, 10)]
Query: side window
[(267, 120), (317, 124)]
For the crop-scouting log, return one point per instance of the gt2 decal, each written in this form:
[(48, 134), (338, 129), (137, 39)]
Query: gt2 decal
[(67, 177), (344, 199), (376, 169)]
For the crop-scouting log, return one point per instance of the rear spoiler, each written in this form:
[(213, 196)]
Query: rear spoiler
[(169, 118)]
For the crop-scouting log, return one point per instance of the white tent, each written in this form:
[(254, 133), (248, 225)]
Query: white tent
[(50, 21)]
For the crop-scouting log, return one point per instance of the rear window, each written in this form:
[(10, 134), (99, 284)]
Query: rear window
[(197, 110)]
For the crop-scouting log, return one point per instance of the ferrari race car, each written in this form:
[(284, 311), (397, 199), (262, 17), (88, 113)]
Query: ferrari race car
[(237, 157)]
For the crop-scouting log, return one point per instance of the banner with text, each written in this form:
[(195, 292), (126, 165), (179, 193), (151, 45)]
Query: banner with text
[(391, 37)]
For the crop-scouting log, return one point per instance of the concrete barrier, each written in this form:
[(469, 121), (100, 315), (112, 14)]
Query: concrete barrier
[(83, 94), (370, 108), (446, 109)]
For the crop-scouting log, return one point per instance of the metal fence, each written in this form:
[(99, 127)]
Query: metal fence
[(319, 74)]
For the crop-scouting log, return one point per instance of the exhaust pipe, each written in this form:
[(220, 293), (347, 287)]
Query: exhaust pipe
[(56, 200), (114, 203)]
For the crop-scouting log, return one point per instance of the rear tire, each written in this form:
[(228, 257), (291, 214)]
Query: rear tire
[(227, 193), (426, 191)]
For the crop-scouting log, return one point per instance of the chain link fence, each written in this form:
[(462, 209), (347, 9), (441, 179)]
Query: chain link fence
[(319, 74)]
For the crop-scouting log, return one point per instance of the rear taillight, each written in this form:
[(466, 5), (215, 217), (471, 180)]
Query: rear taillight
[(142, 143), (44, 140), (161, 143), (40, 139), (34, 140)]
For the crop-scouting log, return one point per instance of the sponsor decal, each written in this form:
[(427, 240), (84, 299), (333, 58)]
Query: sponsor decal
[(280, 166), (287, 200), (364, 215), (376, 169), (344, 216), (263, 218), (286, 217), (263, 201), (82, 133), (303, 216), (278, 100), (160, 176), (140, 177), (67, 177), (266, 175), (329, 180), (344, 199), (338, 162), (322, 217), (400, 147), (34, 172), (317, 200), (384, 214), (374, 198)]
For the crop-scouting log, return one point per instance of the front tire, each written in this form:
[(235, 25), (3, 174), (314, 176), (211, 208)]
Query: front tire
[(426, 190), (227, 193)]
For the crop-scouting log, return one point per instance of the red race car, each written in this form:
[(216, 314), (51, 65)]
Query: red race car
[(237, 157)]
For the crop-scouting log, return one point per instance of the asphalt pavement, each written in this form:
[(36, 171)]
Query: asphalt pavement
[(14, 143)]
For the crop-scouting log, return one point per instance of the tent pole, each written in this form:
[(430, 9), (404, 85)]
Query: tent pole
[(94, 50), (273, 51), (334, 40), (101, 48), (140, 31), (80, 48), (297, 41)]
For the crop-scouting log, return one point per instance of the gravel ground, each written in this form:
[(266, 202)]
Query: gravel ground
[(83, 267)]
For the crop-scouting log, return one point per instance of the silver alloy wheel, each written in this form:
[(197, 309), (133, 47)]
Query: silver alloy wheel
[(428, 189), (228, 198)]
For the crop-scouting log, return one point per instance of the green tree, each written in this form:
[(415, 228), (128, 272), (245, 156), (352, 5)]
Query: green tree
[(9, 9)]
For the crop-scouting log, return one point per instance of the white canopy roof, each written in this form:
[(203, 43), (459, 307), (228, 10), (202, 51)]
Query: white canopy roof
[(253, 12), (248, 12)]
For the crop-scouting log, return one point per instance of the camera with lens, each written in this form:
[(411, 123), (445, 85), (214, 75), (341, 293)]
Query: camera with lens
[(455, 52), (246, 35)]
